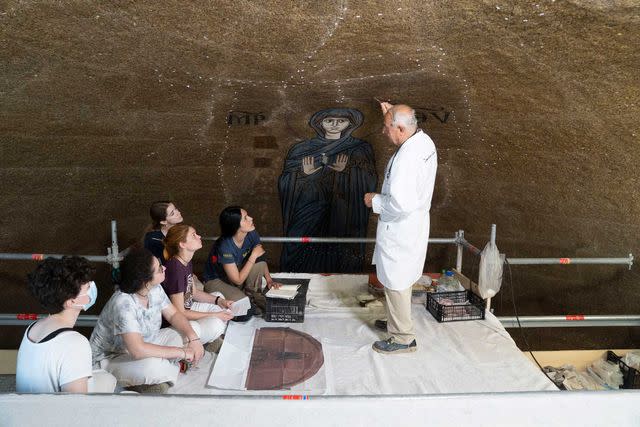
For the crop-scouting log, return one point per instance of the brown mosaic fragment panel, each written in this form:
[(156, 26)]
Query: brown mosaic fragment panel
[(282, 358)]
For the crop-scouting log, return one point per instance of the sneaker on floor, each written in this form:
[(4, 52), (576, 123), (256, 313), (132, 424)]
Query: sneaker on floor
[(381, 324), (215, 345), (389, 346), (161, 388)]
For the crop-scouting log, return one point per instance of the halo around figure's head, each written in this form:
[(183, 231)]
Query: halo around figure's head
[(355, 117)]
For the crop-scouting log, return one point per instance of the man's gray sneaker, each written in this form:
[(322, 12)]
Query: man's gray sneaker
[(389, 346)]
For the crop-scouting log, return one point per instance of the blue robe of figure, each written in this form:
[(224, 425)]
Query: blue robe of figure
[(326, 198)]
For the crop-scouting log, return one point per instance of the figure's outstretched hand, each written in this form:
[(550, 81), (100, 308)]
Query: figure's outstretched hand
[(341, 163), (368, 199), (307, 165)]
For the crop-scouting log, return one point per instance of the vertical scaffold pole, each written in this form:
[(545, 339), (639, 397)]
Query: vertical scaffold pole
[(459, 237), (115, 262), (493, 234), (493, 242)]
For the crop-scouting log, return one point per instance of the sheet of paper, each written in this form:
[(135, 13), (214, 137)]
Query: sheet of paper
[(285, 292), (230, 369), (240, 307)]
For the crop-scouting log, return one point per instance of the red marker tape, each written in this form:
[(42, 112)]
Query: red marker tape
[(27, 316), (565, 260), (37, 257), (574, 317), (305, 239)]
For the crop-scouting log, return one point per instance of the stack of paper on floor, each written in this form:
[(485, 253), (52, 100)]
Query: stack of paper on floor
[(283, 292)]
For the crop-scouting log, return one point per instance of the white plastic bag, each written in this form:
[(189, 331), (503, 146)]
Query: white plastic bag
[(632, 359), (490, 275), (606, 373)]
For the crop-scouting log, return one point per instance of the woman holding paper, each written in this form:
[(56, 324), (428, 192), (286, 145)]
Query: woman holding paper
[(237, 258), (209, 310), (128, 340)]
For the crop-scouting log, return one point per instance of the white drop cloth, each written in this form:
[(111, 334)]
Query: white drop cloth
[(456, 357)]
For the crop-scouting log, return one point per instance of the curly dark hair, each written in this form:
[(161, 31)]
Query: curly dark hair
[(136, 269), (55, 280)]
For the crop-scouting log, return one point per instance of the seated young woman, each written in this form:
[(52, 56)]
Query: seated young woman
[(128, 340), (52, 356), (164, 215), (210, 311), (236, 259)]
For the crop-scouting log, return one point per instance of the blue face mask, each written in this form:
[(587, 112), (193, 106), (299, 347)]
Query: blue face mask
[(93, 296)]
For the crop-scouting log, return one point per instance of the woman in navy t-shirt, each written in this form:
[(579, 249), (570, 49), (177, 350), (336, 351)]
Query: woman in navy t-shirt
[(237, 259)]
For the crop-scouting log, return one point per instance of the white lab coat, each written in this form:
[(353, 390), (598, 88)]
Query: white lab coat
[(403, 205)]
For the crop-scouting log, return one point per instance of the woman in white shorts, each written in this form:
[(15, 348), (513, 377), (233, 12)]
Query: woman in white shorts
[(128, 340)]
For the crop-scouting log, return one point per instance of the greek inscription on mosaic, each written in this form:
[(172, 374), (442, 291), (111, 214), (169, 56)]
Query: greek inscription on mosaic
[(424, 114), (244, 118)]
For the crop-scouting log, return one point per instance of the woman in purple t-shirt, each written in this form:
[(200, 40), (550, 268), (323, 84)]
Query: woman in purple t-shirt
[(210, 311)]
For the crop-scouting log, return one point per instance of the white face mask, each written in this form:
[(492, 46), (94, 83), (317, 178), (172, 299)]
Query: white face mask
[(93, 296)]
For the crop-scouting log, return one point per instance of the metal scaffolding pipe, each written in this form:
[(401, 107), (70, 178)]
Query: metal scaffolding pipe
[(469, 246), (436, 240), (493, 234), (555, 261), (459, 250), (113, 252), (566, 321), (40, 257), (22, 319), (570, 321)]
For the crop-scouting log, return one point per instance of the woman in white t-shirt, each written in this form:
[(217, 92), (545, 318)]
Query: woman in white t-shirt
[(52, 356), (128, 340)]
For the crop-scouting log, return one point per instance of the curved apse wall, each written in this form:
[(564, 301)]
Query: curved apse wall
[(533, 108)]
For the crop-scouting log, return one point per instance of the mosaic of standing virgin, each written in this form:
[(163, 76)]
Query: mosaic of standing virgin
[(322, 186)]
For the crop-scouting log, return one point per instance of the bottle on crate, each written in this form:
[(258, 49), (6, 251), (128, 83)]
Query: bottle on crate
[(448, 282)]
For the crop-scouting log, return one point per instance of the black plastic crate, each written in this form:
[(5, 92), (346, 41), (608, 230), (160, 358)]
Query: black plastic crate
[(285, 310), (473, 309), (631, 376)]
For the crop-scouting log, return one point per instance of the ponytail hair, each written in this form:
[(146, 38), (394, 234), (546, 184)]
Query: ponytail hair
[(158, 213), (229, 219), (176, 235)]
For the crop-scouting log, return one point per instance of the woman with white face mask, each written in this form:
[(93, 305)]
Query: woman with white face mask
[(52, 356), (128, 340)]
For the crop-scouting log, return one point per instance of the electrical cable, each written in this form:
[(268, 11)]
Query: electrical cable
[(515, 312)]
